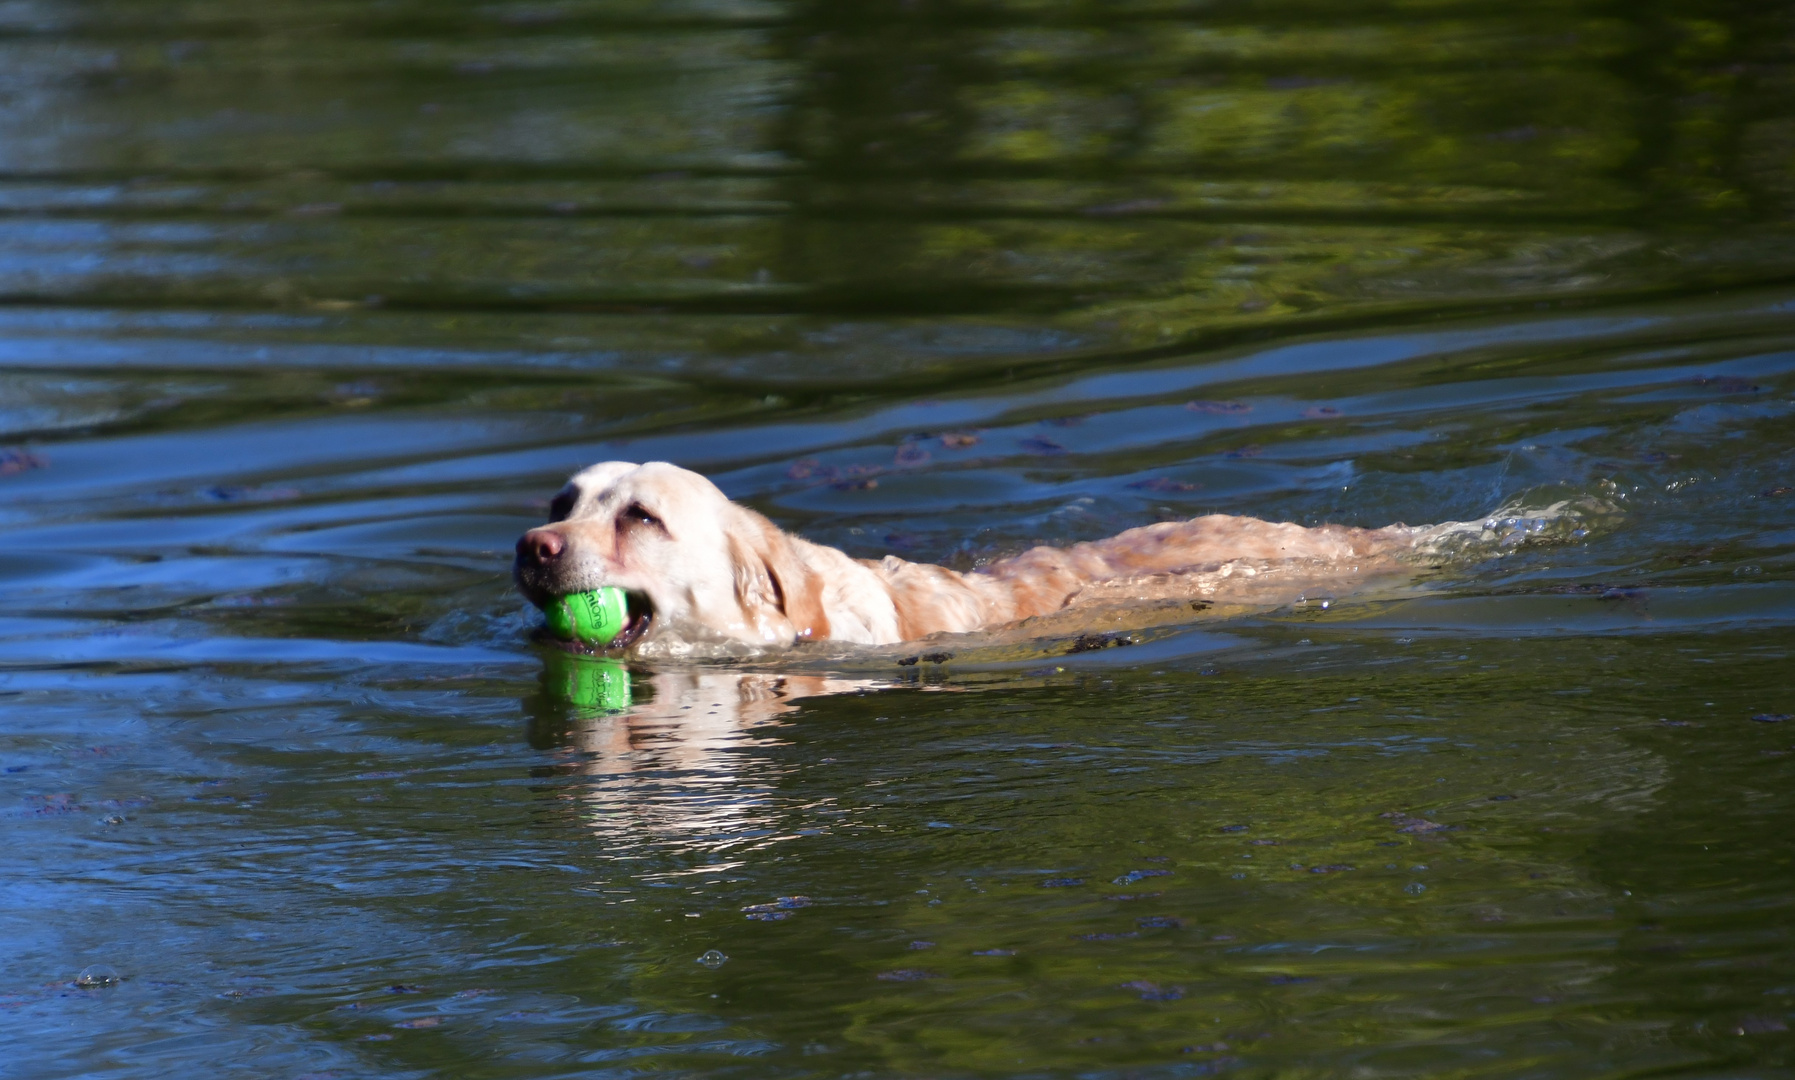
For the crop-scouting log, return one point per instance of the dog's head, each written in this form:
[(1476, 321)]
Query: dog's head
[(692, 563)]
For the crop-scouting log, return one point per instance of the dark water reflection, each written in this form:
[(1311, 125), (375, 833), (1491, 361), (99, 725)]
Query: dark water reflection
[(308, 307)]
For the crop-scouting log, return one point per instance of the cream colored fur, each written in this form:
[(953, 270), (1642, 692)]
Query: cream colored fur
[(713, 570)]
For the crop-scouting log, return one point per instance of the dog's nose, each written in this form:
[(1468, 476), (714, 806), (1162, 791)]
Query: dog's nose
[(541, 545)]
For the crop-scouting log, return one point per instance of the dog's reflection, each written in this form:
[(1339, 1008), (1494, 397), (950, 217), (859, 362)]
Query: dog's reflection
[(670, 754)]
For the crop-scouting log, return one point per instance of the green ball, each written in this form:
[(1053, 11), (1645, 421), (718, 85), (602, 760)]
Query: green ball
[(594, 617)]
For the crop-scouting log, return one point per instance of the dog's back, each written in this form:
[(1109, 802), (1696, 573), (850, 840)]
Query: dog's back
[(1167, 559)]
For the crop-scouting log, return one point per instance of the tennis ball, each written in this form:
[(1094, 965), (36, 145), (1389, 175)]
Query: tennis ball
[(593, 617)]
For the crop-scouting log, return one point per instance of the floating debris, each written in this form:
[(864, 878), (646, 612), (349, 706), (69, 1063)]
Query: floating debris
[(932, 658), (1409, 824), (1153, 991), (778, 909), (1133, 876), (1093, 642)]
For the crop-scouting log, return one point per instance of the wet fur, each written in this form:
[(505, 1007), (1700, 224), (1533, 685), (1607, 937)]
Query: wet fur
[(713, 569)]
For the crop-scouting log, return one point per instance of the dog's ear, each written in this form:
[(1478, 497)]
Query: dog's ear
[(772, 583)]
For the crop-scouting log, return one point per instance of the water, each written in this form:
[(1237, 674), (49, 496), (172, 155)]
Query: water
[(310, 307)]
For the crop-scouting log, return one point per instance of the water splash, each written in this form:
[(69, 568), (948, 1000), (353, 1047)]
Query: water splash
[(1521, 521)]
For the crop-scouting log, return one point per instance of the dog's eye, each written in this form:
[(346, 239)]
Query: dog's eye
[(562, 505), (637, 514)]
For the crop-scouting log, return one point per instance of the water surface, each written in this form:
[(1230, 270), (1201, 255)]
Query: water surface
[(306, 309)]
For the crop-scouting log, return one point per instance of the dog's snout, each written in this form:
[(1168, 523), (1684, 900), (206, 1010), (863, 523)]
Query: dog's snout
[(541, 546)]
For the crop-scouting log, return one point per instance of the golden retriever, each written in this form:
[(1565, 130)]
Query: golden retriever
[(697, 567)]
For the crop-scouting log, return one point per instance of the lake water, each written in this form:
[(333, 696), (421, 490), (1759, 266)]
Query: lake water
[(309, 307)]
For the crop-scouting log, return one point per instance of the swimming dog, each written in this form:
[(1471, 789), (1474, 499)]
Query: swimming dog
[(695, 565)]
